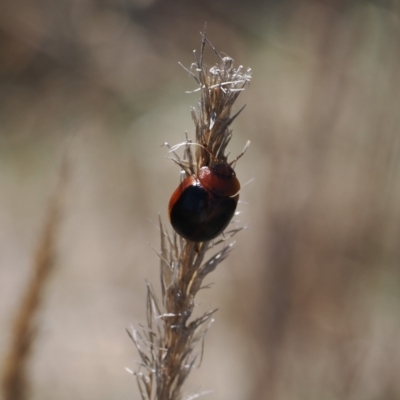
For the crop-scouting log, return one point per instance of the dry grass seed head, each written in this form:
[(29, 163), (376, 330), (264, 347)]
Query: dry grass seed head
[(167, 344)]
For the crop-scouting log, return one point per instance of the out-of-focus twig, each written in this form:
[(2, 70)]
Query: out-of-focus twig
[(15, 380)]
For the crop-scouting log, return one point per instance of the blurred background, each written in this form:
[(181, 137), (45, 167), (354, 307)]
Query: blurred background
[(309, 301)]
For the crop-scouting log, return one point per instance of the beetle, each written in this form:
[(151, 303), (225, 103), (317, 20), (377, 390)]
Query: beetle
[(204, 203)]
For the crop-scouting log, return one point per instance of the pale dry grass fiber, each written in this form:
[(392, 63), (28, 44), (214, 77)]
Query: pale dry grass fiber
[(15, 379), (171, 343)]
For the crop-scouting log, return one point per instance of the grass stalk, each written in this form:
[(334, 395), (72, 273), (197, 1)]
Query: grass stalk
[(168, 343), (15, 381)]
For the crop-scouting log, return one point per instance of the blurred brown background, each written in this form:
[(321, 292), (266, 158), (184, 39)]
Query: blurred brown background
[(309, 301)]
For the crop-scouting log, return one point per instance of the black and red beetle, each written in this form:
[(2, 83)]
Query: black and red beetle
[(203, 204)]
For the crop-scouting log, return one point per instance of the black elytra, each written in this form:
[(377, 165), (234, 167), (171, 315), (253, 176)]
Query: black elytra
[(197, 214)]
